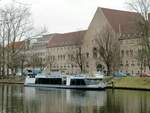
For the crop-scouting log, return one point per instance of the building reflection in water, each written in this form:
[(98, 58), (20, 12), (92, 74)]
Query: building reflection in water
[(65, 101), (20, 99)]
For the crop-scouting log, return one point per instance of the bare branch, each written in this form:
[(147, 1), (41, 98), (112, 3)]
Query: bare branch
[(107, 46)]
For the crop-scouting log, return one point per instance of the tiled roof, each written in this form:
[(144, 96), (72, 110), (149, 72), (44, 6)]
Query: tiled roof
[(17, 45), (121, 21), (66, 39)]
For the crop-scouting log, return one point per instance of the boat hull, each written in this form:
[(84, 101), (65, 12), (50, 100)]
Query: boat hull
[(66, 87)]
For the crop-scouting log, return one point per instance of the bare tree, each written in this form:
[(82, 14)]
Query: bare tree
[(77, 58), (142, 7), (0, 60), (22, 59), (15, 25), (36, 62), (108, 48), (141, 58), (50, 59)]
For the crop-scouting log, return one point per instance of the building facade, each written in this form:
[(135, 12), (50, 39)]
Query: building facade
[(62, 48), (57, 50), (123, 23)]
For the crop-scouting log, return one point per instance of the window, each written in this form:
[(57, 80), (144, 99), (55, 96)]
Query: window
[(77, 82), (43, 59), (121, 63), (132, 63), (139, 51), (87, 55), (127, 52), (127, 63), (53, 66), (122, 52), (132, 71), (58, 57), (131, 52), (95, 52), (53, 58), (72, 57), (69, 57), (87, 64), (64, 57), (48, 81)]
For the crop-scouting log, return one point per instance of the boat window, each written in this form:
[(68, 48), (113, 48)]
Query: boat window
[(53, 81), (31, 75), (64, 82), (77, 82), (92, 81)]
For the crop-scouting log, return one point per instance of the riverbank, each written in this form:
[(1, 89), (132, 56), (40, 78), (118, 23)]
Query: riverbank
[(12, 80), (134, 83)]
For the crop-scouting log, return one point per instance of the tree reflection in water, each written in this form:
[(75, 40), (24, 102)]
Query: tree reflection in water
[(127, 101)]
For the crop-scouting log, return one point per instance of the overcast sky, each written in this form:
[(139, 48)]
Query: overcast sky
[(66, 15)]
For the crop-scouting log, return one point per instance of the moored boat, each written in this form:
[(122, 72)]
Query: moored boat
[(65, 82)]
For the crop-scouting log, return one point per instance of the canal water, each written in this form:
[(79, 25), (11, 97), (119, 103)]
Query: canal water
[(20, 99)]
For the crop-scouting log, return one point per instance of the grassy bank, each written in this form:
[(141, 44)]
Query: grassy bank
[(13, 80), (131, 83)]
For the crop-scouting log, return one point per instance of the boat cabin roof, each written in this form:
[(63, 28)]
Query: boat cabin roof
[(76, 77), (49, 76)]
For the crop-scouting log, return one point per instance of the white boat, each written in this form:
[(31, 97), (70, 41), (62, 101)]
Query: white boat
[(65, 82)]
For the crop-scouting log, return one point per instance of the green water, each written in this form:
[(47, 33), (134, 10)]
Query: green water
[(20, 99)]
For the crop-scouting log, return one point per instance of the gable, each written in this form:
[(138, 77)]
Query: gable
[(121, 21), (98, 22)]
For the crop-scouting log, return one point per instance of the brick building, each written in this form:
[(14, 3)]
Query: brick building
[(58, 49)]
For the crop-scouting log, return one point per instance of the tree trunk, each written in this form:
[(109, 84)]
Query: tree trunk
[(108, 70), (22, 67), (3, 59), (81, 68)]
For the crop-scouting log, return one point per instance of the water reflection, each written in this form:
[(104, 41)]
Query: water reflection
[(11, 100), (65, 101), (17, 99), (124, 101)]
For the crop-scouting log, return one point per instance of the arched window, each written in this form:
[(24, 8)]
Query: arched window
[(122, 52), (87, 55), (95, 52)]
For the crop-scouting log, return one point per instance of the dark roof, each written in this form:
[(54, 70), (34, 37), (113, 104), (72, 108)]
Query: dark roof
[(121, 21), (66, 39)]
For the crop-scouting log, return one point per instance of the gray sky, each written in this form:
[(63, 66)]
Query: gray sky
[(66, 15)]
